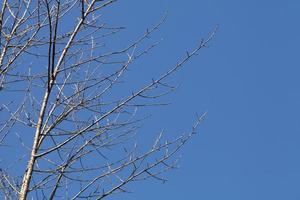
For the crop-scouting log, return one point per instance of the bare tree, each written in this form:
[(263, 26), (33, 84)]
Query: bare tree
[(58, 82)]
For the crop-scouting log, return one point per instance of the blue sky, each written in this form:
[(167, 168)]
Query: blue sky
[(248, 81)]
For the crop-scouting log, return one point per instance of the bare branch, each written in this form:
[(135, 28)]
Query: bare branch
[(62, 95)]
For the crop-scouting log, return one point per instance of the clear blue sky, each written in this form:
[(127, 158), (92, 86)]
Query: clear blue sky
[(248, 80)]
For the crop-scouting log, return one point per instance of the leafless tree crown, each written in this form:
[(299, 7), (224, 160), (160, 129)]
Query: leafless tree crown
[(64, 133)]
